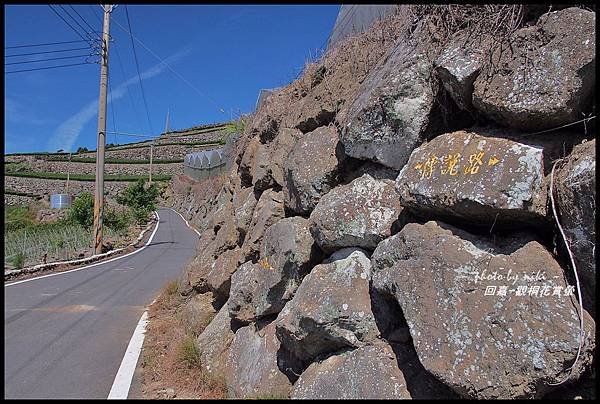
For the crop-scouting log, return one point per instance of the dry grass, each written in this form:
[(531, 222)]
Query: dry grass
[(170, 357)]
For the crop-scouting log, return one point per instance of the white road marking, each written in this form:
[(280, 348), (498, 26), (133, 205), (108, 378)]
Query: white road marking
[(93, 265), (122, 382), (186, 222)]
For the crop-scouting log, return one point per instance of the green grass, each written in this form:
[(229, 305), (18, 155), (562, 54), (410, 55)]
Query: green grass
[(114, 160), (62, 240), (18, 193), (147, 144), (17, 217), (87, 177), (127, 147), (13, 167)]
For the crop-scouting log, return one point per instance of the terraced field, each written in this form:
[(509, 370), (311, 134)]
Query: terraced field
[(32, 176)]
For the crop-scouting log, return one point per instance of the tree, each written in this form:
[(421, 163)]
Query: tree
[(82, 149), (141, 199)]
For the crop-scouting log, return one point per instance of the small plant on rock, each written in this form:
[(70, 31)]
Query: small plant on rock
[(189, 352)]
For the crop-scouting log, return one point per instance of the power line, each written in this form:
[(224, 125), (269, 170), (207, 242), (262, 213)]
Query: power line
[(66, 22), (43, 53), (169, 67), (82, 19), (49, 67), (114, 121), (137, 116), (74, 20), (46, 60), (43, 44), (137, 66)]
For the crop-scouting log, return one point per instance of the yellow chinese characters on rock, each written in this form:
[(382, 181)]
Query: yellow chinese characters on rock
[(450, 164)]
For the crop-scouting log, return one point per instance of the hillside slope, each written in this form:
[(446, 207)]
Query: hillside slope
[(387, 229), (42, 174)]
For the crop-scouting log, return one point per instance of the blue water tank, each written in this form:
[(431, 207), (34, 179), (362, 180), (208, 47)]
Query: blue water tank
[(60, 201)]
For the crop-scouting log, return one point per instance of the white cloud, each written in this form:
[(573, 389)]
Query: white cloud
[(66, 134)]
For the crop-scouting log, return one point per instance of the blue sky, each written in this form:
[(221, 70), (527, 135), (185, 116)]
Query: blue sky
[(226, 52)]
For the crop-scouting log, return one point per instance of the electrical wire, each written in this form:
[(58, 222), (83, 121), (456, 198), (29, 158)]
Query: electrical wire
[(75, 20), (135, 111), (170, 68), (112, 109), (46, 60), (49, 67), (43, 53), (137, 65), (82, 19), (66, 22), (43, 44)]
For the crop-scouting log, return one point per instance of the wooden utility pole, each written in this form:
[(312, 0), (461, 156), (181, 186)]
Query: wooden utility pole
[(99, 190), (167, 123), (151, 149), (68, 174)]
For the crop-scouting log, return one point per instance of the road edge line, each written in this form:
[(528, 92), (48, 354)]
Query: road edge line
[(95, 264), (186, 222), (124, 377)]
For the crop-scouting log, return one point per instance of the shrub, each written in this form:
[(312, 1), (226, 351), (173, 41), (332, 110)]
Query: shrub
[(141, 199), (115, 220), (82, 210)]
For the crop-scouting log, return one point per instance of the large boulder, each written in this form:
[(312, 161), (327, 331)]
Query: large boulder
[(312, 169), (214, 343), (575, 196), (479, 180), (391, 115), (547, 76), (218, 278), (287, 253), (197, 313), (458, 65), (262, 176), (331, 309), (220, 237), (251, 369), (225, 231), (269, 209), (500, 314), (246, 167), (244, 202), (369, 372), (359, 214), (269, 160), (281, 147)]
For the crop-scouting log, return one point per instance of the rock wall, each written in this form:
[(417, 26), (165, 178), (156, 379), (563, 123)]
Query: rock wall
[(45, 187), (165, 152), (40, 165), (386, 228)]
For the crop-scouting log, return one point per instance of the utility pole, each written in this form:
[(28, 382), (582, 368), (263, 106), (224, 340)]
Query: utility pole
[(167, 123), (151, 148), (99, 189), (68, 174)]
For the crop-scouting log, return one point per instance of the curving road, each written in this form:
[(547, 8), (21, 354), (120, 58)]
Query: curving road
[(65, 335)]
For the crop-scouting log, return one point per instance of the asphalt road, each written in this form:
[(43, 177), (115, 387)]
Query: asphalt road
[(65, 335)]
